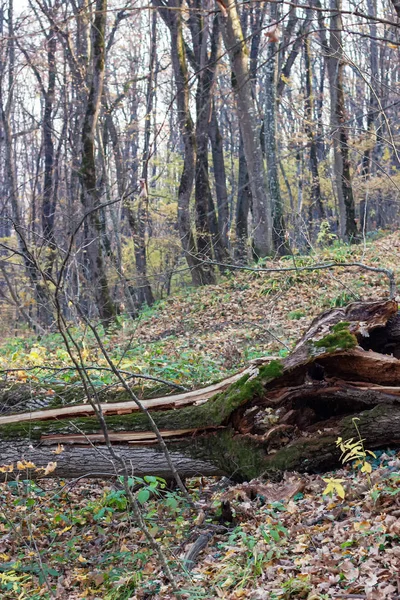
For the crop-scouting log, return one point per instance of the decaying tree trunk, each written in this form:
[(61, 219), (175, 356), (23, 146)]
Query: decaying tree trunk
[(273, 416)]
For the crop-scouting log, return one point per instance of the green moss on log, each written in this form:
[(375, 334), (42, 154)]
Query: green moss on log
[(271, 371), (339, 338), (213, 413), (240, 457)]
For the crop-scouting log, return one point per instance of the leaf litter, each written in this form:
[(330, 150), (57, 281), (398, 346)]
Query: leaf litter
[(283, 539)]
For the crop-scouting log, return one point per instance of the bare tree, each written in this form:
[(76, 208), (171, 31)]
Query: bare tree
[(90, 199), (250, 128)]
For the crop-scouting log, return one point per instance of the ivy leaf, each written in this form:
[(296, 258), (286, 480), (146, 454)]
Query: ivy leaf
[(172, 502)]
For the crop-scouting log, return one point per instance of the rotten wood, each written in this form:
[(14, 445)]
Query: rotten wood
[(272, 416)]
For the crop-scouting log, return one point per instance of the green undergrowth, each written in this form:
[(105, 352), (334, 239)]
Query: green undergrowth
[(46, 361), (94, 541), (81, 538)]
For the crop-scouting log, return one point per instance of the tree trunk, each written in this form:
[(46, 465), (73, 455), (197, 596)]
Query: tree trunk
[(136, 207), (205, 71), (373, 102), (144, 287), (317, 212), (48, 203), (344, 190), (271, 149), (274, 415), (200, 272), (221, 190), (243, 206), (250, 129), (90, 197)]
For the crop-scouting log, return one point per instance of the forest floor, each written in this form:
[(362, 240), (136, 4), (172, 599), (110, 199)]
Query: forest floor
[(73, 540)]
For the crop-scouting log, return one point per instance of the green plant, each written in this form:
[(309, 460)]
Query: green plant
[(325, 236), (123, 587), (339, 338), (352, 450), (11, 582), (295, 315), (297, 587), (149, 486), (342, 299)]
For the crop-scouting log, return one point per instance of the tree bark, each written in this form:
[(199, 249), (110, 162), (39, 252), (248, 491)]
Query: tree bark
[(340, 137), (271, 147), (396, 6), (373, 102), (90, 197), (221, 189), (243, 206), (145, 292), (49, 199), (250, 129), (273, 416), (201, 272), (317, 211), (205, 71)]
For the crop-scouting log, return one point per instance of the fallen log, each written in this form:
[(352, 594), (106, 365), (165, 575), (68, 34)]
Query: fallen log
[(275, 415)]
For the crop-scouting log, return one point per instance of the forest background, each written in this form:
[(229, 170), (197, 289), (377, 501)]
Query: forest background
[(146, 147)]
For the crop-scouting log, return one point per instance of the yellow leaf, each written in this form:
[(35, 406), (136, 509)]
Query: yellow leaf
[(366, 468), (49, 469), (81, 559), (227, 583), (25, 464), (362, 525), (340, 491), (64, 530), (230, 553), (334, 486), (301, 547), (59, 449), (7, 468)]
